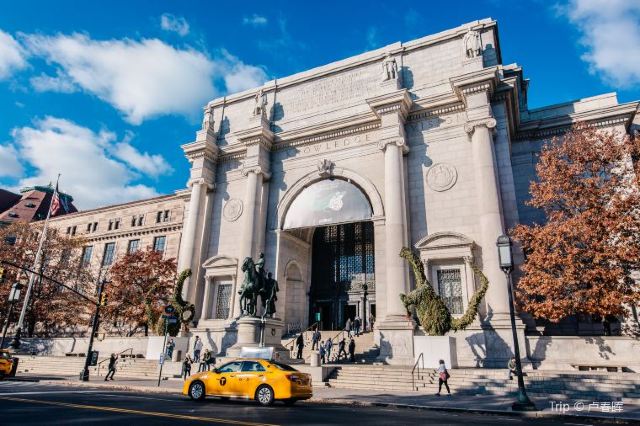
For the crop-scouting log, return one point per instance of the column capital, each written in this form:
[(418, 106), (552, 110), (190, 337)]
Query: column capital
[(201, 181), (258, 170), (399, 142), (397, 102), (470, 126)]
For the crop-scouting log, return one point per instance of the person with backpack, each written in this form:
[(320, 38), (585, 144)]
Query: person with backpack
[(113, 361), (300, 345), (186, 367), (341, 348), (443, 376)]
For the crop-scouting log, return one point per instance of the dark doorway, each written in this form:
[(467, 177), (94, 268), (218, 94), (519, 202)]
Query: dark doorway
[(349, 312), (340, 254)]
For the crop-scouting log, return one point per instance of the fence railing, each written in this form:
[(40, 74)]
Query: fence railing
[(413, 371), (119, 354)]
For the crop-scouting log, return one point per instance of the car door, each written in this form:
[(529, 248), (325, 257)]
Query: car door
[(227, 380), (250, 377)]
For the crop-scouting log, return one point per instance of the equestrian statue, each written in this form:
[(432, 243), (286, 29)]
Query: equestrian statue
[(255, 284)]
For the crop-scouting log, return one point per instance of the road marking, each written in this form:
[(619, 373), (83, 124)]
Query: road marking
[(140, 412), (47, 392), (119, 395)]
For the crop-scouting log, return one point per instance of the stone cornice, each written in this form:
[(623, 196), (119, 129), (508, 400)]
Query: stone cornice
[(260, 135), (333, 134), (133, 233), (398, 102), (200, 149), (484, 80), (437, 111), (604, 117)]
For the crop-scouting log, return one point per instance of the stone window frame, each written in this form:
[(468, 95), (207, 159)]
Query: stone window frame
[(448, 250), (217, 283), (164, 243), (219, 269)]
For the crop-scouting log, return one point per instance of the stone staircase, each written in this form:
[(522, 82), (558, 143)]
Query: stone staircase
[(72, 366), (366, 351), (590, 386)]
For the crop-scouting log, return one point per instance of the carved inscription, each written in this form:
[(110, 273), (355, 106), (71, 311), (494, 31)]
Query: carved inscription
[(330, 145)]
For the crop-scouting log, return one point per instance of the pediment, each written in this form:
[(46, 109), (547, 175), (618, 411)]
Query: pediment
[(220, 261), (439, 240)]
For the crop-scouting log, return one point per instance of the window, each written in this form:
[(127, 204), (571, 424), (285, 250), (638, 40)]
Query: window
[(158, 217), (133, 246), (450, 289), (140, 219), (231, 367), (252, 366), (68, 230), (89, 227), (13, 214), (116, 224), (136, 220), (223, 297), (86, 256), (158, 243), (165, 217), (162, 216), (107, 258), (133, 221), (110, 227), (95, 226), (74, 229)]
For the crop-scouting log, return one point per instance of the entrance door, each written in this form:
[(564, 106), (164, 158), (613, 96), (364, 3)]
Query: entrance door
[(325, 309), (350, 312)]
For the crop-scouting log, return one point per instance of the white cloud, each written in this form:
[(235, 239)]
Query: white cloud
[(90, 172), (151, 165), (176, 24), (255, 20), (142, 79), (12, 56), (60, 83), (611, 34), (9, 159)]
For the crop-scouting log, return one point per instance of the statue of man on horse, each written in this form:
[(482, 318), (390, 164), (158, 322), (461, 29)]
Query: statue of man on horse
[(254, 284)]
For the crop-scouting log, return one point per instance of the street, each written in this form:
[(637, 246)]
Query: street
[(33, 403)]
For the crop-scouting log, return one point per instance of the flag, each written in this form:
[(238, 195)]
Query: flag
[(55, 202)]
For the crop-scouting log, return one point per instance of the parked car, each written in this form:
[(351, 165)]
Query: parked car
[(8, 364), (265, 381)]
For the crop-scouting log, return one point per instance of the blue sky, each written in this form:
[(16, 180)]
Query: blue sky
[(106, 95)]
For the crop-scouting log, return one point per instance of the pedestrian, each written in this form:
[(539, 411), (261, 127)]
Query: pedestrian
[(372, 319), (113, 361), (341, 348), (186, 367), (212, 360), (197, 347), (352, 350), (511, 366), (170, 347), (347, 326), (443, 376), (299, 345), (356, 325), (327, 347), (322, 352), (315, 339), (204, 362)]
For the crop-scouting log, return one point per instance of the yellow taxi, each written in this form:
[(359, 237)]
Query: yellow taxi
[(264, 380), (6, 364)]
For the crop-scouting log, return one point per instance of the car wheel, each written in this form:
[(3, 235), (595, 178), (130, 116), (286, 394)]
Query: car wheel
[(289, 402), (264, 395), (196, 391)]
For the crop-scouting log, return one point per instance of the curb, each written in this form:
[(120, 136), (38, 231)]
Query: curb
[(360, 403)]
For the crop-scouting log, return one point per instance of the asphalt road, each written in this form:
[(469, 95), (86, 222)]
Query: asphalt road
[(26, 403)]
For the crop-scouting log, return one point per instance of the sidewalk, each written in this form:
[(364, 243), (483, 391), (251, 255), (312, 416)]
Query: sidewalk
[(481, 404)]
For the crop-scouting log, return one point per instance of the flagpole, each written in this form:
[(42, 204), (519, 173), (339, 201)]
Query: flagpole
[(32, 276)]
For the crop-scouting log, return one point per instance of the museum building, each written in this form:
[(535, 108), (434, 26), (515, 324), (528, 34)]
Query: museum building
[(330, 172)]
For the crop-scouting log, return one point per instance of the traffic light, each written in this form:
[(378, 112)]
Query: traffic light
[(1, 274), (103, 300)]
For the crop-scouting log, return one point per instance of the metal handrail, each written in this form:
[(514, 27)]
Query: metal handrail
[(413, 377), (107, 359), (286, 345)]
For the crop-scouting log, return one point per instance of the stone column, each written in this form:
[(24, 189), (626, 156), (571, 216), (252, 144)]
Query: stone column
[(208, 292), (189, 235), (489, 214), (249, 213)]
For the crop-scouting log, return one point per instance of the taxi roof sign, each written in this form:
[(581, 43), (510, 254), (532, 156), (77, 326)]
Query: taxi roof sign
[(265, 352)]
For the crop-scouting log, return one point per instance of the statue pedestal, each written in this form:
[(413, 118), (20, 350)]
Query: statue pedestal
[(249, 330)]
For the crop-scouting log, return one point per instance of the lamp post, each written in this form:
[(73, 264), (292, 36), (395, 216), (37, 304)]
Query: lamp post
[(84, 375), (364, 307), (505, 257), (14, 296)]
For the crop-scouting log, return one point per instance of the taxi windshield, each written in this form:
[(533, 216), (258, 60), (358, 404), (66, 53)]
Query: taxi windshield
[(283, 367)]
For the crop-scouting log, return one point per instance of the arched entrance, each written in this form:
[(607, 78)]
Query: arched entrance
[(327, 230)]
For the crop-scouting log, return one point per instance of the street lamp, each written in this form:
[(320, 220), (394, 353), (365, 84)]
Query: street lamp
[(14, 296), (364, 306), (505, 257)]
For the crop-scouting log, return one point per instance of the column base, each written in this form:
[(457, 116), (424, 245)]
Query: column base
[(396, 340)]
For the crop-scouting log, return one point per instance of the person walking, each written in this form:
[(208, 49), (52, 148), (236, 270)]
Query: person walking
[(356, 325), (352, 350), (169, 350), (197, 347), (341, 348), (322, 353), (511, 365), (299, 345), (204, 362), (327, 346), (347, 326), (315, 339), (443, 376), (186, 367), (113, 361)]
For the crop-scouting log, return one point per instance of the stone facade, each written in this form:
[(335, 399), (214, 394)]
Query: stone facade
[(436, 134), (130, 226)]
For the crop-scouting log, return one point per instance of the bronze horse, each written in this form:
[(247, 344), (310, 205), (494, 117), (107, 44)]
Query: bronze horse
[(249, 289)]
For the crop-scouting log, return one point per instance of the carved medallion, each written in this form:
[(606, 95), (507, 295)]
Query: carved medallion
[(232, 210), (441, 177)]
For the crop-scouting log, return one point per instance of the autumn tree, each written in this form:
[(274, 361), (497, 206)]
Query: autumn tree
[(52, 309), (582, 260), (140, 286)]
